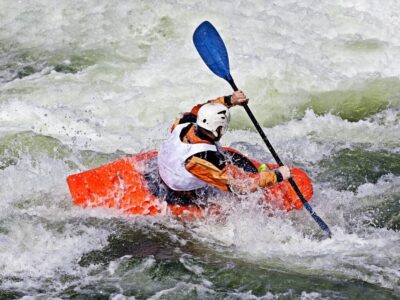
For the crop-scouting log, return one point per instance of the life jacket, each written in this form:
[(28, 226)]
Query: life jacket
[(171, 161)]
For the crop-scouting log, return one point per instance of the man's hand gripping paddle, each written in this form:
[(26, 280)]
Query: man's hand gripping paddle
[(212, 50)]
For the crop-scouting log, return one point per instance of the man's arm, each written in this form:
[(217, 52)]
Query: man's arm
[(208, 167)]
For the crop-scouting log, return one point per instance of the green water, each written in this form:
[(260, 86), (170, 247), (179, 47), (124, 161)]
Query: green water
[(83, 83), (148, 261), (349, 168), (357, 103)]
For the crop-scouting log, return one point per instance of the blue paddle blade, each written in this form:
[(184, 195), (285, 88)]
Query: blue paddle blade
[(212, 49)]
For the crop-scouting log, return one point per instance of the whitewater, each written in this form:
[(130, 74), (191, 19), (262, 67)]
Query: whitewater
[(83, 83)]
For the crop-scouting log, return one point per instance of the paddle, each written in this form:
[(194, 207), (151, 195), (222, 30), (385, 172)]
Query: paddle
[(212, 50)]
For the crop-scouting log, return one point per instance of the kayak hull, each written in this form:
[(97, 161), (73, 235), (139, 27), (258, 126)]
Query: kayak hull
[(122, 185)]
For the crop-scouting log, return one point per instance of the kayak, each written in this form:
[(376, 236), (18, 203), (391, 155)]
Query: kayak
[(128, 184)]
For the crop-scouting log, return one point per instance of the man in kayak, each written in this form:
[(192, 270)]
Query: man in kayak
[(191, 159)]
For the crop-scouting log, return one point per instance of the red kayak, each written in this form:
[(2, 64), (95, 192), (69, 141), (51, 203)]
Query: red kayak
[(124, 184)]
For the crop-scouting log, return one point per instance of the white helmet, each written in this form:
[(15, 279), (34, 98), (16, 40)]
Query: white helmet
[(211, 116)]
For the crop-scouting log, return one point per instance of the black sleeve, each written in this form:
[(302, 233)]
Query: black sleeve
[(279, 176), (228, 100), (217, 159)]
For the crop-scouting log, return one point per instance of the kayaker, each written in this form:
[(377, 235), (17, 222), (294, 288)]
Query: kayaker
[(191, 159)]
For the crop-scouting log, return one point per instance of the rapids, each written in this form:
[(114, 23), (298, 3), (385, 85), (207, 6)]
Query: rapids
[(85, 82)]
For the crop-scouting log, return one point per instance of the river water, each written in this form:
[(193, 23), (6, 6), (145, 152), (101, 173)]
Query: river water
[(85, 82)]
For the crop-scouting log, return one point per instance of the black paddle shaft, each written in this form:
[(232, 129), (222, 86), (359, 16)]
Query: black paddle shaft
[(258, 127), (320, 222)]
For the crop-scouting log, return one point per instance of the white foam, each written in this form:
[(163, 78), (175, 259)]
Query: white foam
[(144, 70), (274, 59), (289, 241)]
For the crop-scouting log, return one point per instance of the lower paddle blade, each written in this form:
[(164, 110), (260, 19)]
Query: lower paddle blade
[(212, 49)]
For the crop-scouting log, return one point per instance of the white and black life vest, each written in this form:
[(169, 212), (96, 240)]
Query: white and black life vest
[(171, 161)]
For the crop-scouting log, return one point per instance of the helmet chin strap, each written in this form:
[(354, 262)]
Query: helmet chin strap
[(219, 131), (207, 135)]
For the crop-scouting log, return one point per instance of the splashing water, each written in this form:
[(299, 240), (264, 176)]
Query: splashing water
[(83, 83)]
